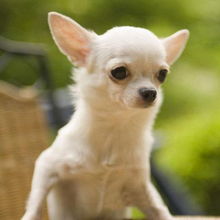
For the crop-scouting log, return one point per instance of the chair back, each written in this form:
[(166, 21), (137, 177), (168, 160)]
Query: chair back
[(23, 135)]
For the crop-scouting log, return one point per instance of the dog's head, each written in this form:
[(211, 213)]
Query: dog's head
[(124, 66)]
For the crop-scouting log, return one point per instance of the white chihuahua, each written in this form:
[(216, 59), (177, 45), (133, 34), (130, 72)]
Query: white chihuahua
[(99, 163)]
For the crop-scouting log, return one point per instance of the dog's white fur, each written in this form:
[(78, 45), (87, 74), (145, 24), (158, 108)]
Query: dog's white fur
[(99, 162)]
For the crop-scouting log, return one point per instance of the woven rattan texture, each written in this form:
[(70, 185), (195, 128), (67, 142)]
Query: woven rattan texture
[(23, 135)]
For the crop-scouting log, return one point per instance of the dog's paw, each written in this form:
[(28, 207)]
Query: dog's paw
[(164, 217), (161, 218), (29, 216)]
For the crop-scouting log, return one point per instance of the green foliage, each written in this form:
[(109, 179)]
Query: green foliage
[(190, 122), (26, 20), (136, 214), (192, 152)]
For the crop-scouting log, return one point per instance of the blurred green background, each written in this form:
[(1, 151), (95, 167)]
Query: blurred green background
[(190, 117)]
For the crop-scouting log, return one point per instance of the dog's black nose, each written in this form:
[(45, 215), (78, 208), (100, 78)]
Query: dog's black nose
[(149, 95)]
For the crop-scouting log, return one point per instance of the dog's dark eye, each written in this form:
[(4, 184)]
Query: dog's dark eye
[(119, 73), (162, 75)]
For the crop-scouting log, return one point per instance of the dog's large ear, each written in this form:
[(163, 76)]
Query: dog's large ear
[(72, 39), (174, 45)]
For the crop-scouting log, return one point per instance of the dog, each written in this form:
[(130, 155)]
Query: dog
[(99, 162)]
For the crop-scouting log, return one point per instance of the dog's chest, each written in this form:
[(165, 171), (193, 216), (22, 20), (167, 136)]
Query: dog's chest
[(106, 188), (115, 147), (105, 169)]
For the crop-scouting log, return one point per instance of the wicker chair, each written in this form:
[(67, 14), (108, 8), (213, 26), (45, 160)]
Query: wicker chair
[(23, 135)]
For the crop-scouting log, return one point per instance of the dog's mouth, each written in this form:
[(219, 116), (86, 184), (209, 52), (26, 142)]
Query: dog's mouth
[(146, 104), (140, 104)]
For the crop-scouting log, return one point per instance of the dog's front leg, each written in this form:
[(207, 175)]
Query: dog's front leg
[(151, 204), (43, 179)]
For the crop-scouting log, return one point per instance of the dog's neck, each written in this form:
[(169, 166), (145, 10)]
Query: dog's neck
[(113, 136), (115, 118)]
